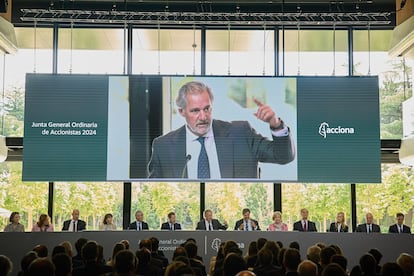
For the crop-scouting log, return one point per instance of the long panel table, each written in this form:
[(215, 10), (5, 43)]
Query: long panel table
[(15, 245)]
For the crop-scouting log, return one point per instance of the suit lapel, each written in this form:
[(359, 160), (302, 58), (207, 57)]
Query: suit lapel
[(178, 152), (224, 148)]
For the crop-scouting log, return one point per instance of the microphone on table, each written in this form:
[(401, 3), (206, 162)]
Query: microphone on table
[(187, 158)]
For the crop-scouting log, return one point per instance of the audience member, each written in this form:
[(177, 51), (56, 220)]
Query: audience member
[(125, 263), (341, 260), (333, 270), (265, 265), (246, 223), (27, 259), (304, 225), (295, 245), (307, 268), (117, 247), (179, 251), (171, 224), (278, 224), (100, 257), (126, 244), (107, 223), (377, 256), (178, 268), (91, 265), (41, 250), (158, 254), (63, 264), (291, 261), (399, 227), (337, 249), (260, 243), (280, 244), (68, 248), (406, 262), (58, 249), (233, 263), (368, 226), (14, 225), (340, 224), (43, 224), (209, 224), (274, 248), (198, 266), (314, 254), (74, 224), (246, 273), (368, 265), (251, 257), (41, 266), (145, 268), (391, 269), (139, 224), (325, 255), (6, 265), (77, 260)]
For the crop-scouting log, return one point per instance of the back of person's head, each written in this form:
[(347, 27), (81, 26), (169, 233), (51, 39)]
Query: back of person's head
[(338, 250), (326, 254), (145, 244), (307, 268), (154, 244), (191, 249), (100, 256), (260, 243), (295, 245), (6, 265), (281, 256), (291, 259), (179, 251), (63, 264), (41, 266), (125, 243), (79, 244), (233, 263), (117, 247), (341, 260), (178, 268), (229, 245), (368, 264), (246, 273), (274, 248), (27, 259), (252, 248), (58, 249), (68, 248), (377, 255), (41, 250), (191, 240), (125, 262), (144, 257), (314, 254), (333, 270), (265, 257), (406, 262), (320, 245), (391, 269), (90, 251), (280, 244), (355, 271)]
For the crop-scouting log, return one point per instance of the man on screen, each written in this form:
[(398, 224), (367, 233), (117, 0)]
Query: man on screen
[(206, 148)]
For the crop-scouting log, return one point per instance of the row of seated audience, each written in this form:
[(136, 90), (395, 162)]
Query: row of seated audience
[(208, 223), (264, 257)]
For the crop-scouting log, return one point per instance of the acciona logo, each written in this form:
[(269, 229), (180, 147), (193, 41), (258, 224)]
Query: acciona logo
[(325, 129)]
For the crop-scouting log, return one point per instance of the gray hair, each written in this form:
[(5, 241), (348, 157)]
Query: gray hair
[(192, 87)]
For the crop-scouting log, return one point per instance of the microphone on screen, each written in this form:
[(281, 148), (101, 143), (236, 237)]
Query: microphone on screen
[(187, 158)]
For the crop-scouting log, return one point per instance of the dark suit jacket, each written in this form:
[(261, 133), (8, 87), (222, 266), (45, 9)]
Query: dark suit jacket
[(239, 149), (297, 226), (81, 225), (133, 226), (166, 226), (240, 222), (393, 229), (363, 228), (333, 228), (216, 225)]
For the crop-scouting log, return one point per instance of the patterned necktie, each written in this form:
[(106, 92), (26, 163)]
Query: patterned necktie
[(203, 165), (246, 228)]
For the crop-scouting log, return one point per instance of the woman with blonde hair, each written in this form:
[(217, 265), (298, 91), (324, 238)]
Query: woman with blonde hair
[(340, 224), (43, 224), (277, 224)]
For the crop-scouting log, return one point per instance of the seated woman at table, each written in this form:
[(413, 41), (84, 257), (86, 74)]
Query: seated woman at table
[(15, 225), (107, 223), (277, 224), (43, 224), (340, 224)]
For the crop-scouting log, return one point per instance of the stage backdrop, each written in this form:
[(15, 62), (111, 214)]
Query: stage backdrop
[(101, 127)]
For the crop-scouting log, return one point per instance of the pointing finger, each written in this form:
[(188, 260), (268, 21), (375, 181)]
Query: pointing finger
[(259, 103)]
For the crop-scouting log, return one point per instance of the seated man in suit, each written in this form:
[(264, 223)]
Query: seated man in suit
[(304, 225), (368, 227), (340, 224), (209, 224), (139, 223), (399, 227), (171, 224), (246, 223), (74, 224), (206, 148)]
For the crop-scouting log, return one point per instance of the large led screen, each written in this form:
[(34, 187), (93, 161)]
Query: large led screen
[(176, 128)]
